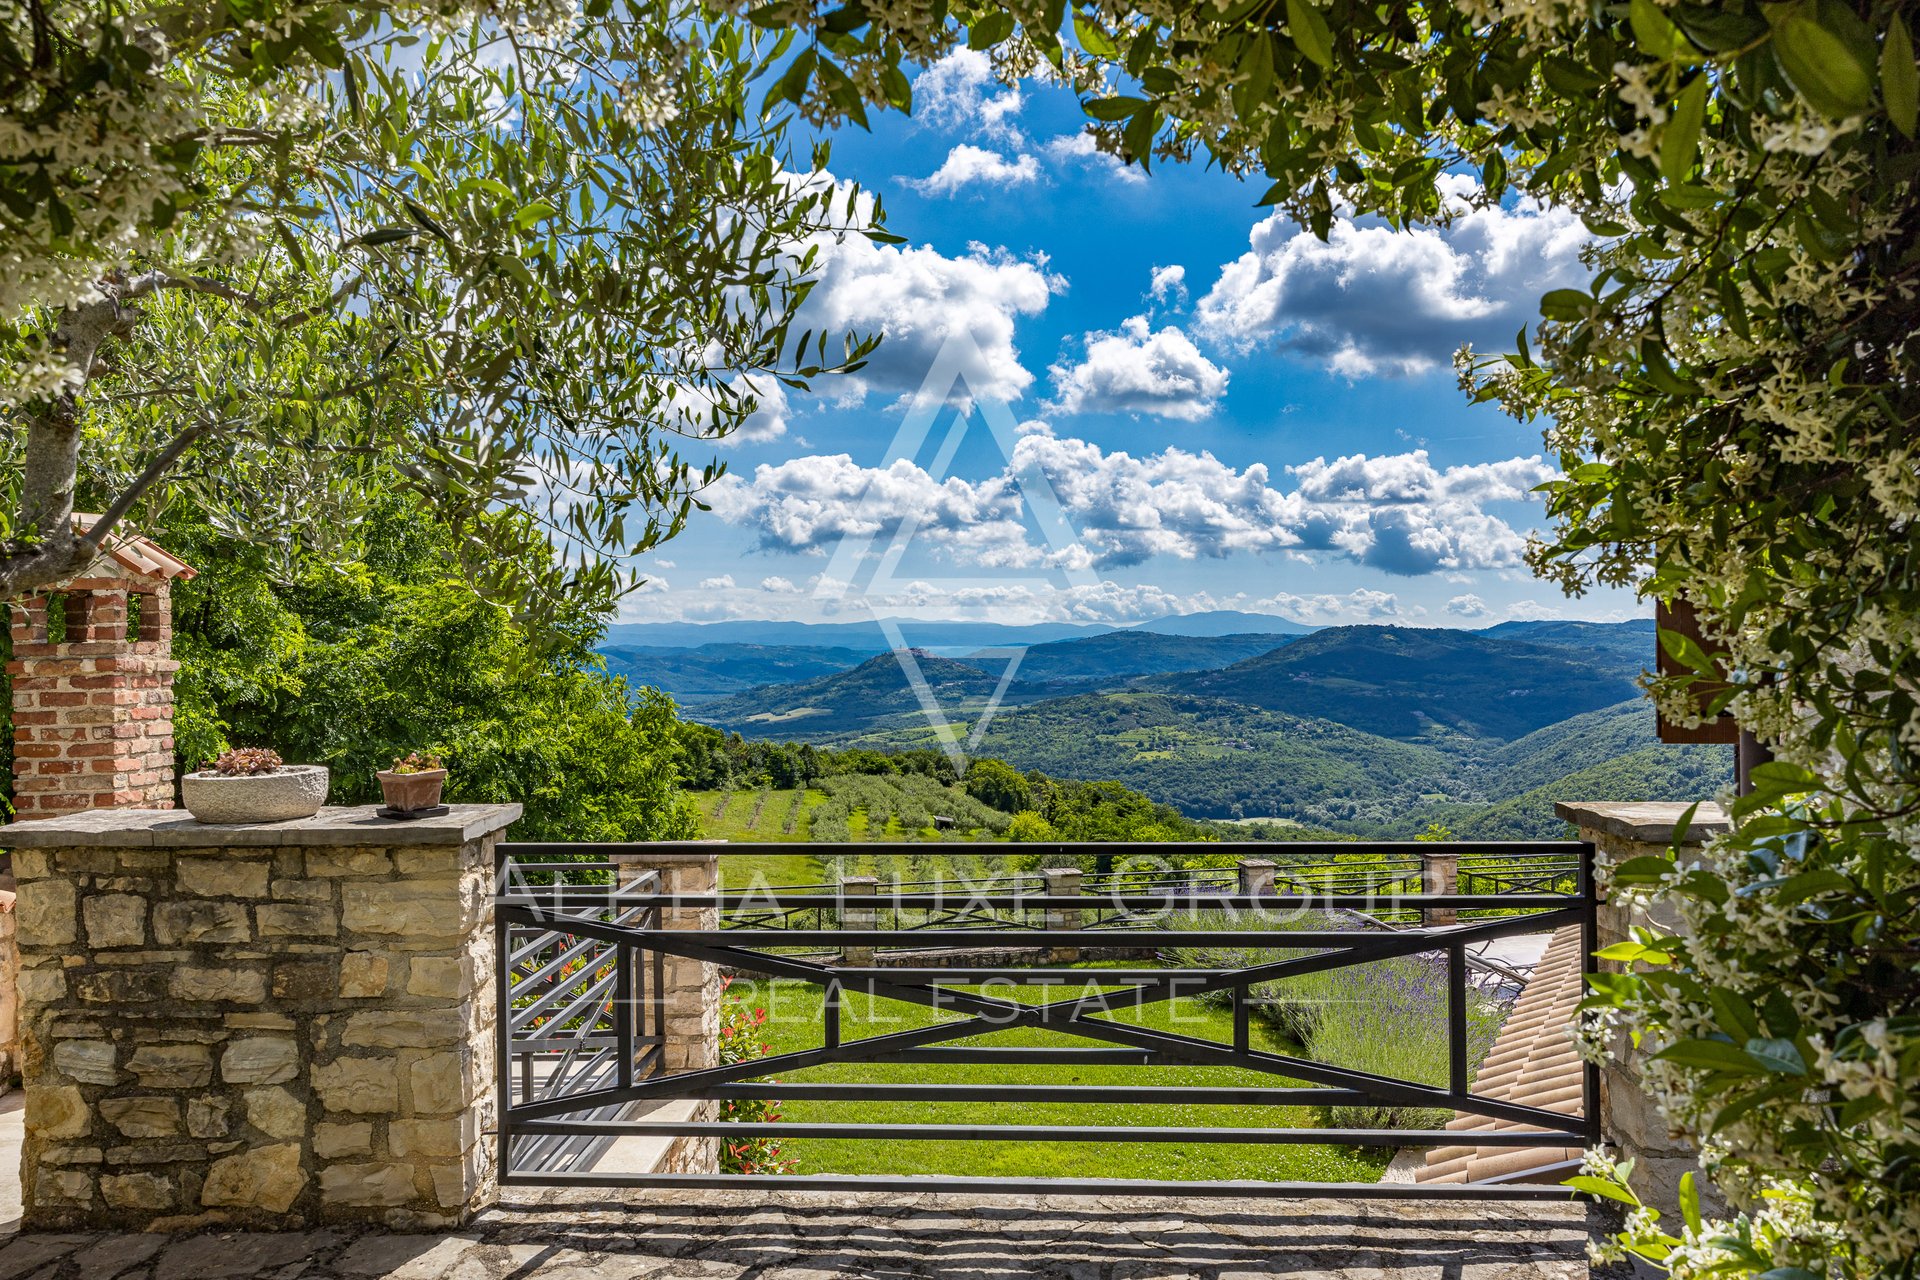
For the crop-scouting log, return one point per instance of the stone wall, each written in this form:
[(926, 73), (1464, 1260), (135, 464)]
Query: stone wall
[(9, 997), (265, 1025), (692, 989), (1630, 1122)]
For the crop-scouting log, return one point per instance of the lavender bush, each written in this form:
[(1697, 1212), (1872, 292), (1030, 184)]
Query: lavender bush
[(1388, 1017)]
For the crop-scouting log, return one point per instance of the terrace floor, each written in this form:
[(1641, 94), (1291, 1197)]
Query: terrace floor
[(735, 1235)]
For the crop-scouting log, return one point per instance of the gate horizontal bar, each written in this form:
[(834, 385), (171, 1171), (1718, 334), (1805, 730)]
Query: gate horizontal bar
[(1225, 1095), (851, 977), (840, 1183), (984, 1056), (1053, 1133), (1355, 940), (1266, 850), (788, 898)]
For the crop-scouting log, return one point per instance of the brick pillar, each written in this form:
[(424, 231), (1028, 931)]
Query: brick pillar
[(267, 1025), (1629, 1120), (93, 709)]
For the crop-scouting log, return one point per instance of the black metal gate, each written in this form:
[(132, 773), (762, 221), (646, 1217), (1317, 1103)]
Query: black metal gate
[(579, 969)]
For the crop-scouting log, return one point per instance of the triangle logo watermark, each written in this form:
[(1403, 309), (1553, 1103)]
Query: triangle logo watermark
[(1064, 562)]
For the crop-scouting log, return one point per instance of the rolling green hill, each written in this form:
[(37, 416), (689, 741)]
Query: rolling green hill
[(1655, 772), (1120, 655), (1626, 646), (1218, 759), (1403, 682), (877, 691), (1370, 730)]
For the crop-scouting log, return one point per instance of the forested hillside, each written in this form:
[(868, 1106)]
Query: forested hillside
[(1370, 730), (1119, 655), (1401, 682)]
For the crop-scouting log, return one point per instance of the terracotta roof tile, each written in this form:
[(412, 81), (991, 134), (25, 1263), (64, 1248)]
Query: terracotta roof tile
[(1532, 1062), (137, 553)]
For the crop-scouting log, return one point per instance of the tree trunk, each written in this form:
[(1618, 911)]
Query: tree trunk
[(45, 548)]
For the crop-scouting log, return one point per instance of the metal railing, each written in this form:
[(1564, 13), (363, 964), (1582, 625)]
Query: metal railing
[(574, 1005), (758, 932)]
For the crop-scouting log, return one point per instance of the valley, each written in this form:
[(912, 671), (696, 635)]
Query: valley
[(1372, 731)]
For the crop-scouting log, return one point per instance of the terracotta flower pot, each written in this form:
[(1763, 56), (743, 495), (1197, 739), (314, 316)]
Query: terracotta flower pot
[(409, 791)]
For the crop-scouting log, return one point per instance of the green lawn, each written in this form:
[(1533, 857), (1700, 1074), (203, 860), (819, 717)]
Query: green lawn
[(794, 1011)]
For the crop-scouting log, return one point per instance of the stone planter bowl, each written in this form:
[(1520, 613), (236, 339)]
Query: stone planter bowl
[(409, 791), (291, 791)]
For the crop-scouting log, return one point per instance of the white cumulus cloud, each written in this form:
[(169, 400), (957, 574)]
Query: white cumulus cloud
[(916, 298), (1467, 606), (1170, 282), (722, 583), (1138, 370), (1363, 603), (778, 586), (959, 92), (967, 165), (1374, 301), (1396, 513), (1079, 150)]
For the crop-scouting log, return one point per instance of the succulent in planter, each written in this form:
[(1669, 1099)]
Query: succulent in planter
[(252, 784), (413, 783)]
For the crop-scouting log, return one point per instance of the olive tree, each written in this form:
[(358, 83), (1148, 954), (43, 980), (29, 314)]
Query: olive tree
[(1733, 400), (515, 258)]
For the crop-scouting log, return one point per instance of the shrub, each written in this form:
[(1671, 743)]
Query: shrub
[(1388, 1017), (740, 1042)]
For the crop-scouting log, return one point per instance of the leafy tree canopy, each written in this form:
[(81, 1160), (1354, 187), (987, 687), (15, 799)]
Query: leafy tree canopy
[(252, 253), (352, 665)]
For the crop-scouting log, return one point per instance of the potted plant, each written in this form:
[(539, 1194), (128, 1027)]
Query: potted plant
[(252, 784), (413, 783)]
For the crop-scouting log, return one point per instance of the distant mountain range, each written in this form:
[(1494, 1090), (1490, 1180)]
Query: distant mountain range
[(1370, 729), (1124, 654), (869, 636), (705, 672)]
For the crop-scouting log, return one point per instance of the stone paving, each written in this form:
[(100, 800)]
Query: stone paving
[(735, 1235)]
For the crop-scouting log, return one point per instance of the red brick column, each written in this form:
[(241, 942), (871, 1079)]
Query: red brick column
[(92, 710)]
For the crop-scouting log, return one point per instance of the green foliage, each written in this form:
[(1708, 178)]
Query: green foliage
[(996, 783), (741, 1029), (509, 265), (1029, 827), (350, 668)]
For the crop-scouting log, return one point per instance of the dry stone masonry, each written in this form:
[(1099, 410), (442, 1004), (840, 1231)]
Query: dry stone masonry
[(1630, 1121), (691, 990), (268, 1025)]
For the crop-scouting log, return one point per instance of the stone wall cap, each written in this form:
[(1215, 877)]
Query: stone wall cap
[(175, 829), (1649, 822)]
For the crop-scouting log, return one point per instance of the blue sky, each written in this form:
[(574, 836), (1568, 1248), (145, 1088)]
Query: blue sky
[(1167, 400)]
